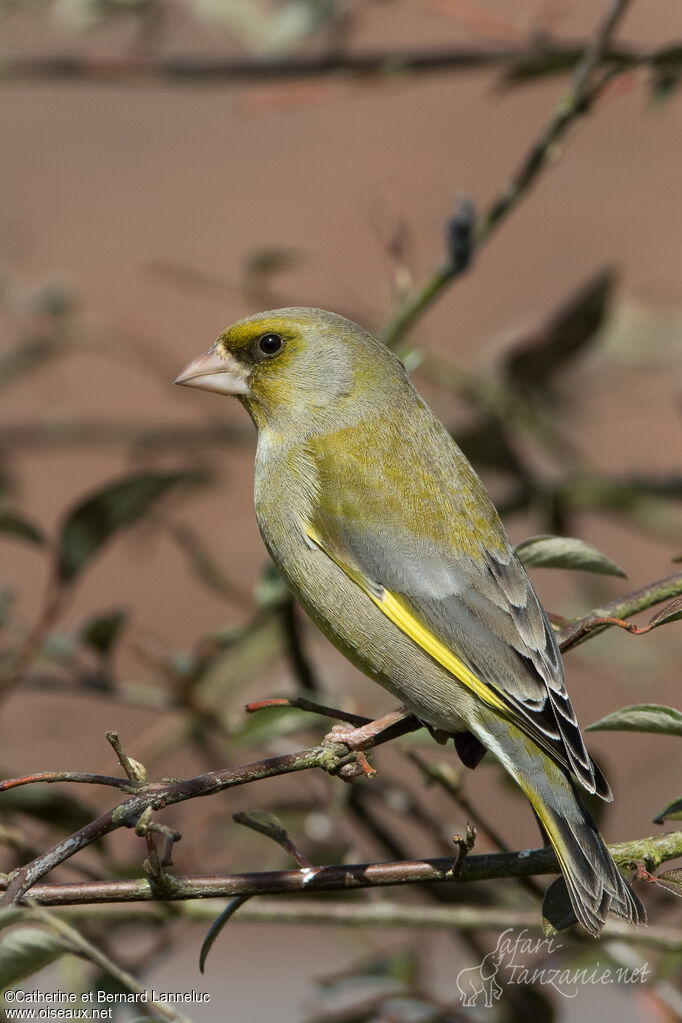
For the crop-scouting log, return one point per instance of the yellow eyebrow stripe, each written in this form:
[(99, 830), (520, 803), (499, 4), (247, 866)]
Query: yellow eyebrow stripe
[(401, 616)]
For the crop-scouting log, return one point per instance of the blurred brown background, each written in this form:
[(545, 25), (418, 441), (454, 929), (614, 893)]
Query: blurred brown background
[(150, 201)]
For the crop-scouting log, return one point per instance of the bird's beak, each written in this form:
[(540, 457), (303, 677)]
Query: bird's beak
[(215, 371)]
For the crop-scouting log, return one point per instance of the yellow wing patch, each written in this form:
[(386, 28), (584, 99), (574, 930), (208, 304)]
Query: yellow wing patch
[(395, 610)]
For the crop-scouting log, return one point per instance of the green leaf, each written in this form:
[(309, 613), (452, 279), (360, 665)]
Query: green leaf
[(671, 880), (263, 266), (202, 562), (671, 812), (557, 911), (101, 632), (217, 926), (485, 442), (92, 522), (543, 64), (533, 364), (262, 821), (401, 966), (41, 802), (566, 552), (642, 717), (14, 524), (672, 612), (10, 915), (30, 353), (26, 950)]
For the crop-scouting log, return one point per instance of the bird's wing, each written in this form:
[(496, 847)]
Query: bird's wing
[(478, 617)]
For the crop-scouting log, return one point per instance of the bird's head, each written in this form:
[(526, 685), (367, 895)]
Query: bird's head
[(296, 366)]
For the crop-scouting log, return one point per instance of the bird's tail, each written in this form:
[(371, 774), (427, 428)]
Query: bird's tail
[(595, 885)]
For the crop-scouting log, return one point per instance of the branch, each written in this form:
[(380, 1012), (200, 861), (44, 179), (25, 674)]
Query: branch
[(639, 600), (182, 70), (88, 433), (79, 944), (330, 757), (576, 101), (343, 877), (461, 918)]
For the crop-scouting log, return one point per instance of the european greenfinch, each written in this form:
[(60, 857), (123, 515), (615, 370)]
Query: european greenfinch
[(388, 539)]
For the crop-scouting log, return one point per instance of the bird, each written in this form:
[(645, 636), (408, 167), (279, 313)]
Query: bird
[(388, 539)]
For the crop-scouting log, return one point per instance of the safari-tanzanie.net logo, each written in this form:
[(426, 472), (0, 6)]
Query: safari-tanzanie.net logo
[(523, 959)]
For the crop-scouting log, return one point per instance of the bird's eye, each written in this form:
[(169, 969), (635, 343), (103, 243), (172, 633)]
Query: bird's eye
[(270, 344)]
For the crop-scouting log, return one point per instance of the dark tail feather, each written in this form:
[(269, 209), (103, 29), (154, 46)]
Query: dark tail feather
[(595, 885)]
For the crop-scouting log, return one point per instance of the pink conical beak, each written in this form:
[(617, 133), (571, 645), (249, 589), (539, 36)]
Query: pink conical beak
[(215, 371)]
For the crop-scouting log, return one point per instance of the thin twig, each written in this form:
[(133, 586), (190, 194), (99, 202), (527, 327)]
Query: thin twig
[(77, 777), (81, 945), (575, 101), (622, 607), (329, 756), (182, 70)]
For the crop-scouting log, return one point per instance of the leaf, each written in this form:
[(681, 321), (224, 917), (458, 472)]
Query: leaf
[(262, 266), (566, 552), (30, 353), (485, 442), (41, 802), (26, 950), (401, 966), (262, 821), (92, 522), (672, 612), (662, 86), (14, 524), (671, 880), (101, 632), (666, 73), (671, 812), (534, 362), (10, 915), (217, 926), (642, 717), (557, 911), (203, 563), (539, 65)]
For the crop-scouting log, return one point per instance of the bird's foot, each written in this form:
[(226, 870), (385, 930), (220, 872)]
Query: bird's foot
[(396, 722)]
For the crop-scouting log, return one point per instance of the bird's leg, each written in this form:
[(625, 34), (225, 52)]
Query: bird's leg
[(389, 726)]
